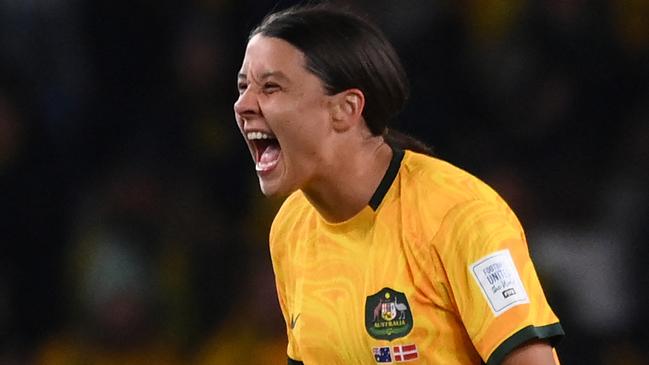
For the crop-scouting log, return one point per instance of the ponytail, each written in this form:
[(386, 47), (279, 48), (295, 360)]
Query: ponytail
[(403, 141)]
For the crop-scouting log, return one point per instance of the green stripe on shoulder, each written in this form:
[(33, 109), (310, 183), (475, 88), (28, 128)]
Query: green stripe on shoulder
[(552, 332)]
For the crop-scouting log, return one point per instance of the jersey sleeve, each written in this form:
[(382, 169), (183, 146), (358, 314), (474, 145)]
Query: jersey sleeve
[(492, 279), (279, 252)]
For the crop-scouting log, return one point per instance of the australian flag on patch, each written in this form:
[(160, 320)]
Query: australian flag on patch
[(382, 354)]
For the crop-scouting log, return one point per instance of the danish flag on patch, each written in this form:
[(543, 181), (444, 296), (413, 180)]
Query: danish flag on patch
[(405, 353)]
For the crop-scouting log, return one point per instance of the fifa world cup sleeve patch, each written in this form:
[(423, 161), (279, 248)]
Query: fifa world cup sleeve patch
[(498, 279)]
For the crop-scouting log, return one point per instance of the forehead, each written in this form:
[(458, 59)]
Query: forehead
[(268, 54)]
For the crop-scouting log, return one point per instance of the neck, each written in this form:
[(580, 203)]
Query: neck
[(351, 179)]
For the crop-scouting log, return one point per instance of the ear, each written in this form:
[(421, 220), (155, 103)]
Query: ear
[(347, 109)]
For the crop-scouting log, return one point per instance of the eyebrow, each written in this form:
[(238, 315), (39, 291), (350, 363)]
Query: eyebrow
[(265, 75)]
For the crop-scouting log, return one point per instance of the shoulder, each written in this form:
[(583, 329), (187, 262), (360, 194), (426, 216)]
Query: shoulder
[(434, 194), (432, 184), (442, 176)]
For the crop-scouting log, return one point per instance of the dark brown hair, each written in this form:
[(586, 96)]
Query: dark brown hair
[(347, 51)]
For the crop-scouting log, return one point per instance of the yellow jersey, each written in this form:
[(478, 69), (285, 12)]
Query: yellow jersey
[(435, 270)]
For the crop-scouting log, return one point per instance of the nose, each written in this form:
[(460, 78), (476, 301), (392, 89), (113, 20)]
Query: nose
[(246, 105)]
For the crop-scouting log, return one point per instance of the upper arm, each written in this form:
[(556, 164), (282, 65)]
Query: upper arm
[(493, 281), (281, 239)]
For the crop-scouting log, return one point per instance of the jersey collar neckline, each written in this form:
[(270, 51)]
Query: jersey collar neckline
[(388, 178)]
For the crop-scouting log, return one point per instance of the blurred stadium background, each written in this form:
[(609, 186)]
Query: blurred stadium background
[(131, 225)]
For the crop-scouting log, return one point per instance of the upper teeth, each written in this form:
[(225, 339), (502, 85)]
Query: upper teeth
[(259, 135)]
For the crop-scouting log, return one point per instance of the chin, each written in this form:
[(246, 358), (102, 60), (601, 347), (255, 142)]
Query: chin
[(271, 190)]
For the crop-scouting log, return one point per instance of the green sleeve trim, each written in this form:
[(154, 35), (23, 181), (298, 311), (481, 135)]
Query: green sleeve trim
[(294, 362), (553, 332)]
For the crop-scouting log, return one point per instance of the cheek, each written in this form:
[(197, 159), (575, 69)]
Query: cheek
[(295, 120)]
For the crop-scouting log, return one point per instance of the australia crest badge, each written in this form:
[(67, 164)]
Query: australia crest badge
[(388, 315)]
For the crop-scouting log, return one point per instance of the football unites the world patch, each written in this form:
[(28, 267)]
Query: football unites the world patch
[(388, 315), (499, 281), (400, 353)]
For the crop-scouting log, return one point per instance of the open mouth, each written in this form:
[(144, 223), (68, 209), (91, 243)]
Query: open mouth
[(266, 150)]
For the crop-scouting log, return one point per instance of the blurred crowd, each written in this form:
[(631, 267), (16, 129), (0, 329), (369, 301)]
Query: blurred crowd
[(131, 224)]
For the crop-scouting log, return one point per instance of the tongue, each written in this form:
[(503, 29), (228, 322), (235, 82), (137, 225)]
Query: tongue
[(270, 155)]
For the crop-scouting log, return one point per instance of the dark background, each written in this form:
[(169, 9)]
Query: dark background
[(130, 216)]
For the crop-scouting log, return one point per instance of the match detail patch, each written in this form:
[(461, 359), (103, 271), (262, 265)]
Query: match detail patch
[(499, 281)]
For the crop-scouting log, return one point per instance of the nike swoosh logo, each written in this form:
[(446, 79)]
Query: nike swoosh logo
[(294, 320)]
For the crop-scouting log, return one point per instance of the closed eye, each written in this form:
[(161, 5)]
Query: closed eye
[(242, 86), (271, 87)]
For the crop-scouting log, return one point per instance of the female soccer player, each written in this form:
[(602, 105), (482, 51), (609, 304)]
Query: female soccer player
[(381, 254)]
